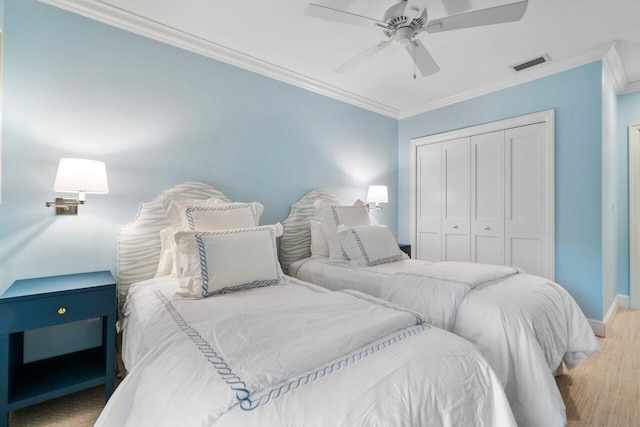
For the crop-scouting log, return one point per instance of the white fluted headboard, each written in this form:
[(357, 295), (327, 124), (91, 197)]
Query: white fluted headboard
[(295, 243), (139, 241)]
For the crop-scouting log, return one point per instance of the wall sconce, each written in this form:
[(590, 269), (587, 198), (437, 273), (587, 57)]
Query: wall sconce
[(377, 194), (78, 176)]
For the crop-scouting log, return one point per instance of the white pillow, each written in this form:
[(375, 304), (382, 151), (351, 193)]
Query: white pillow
[(369, 245), (216, 262), (319, 245), (167, 264), (210, 214), (332, 216)]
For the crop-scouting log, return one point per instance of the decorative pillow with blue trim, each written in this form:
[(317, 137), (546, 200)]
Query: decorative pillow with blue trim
[(216, 262), (369, 245), (332, 216), (211, 214)]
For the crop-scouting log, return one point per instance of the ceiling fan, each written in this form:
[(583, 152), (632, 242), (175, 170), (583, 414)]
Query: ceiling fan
[(403, 21)]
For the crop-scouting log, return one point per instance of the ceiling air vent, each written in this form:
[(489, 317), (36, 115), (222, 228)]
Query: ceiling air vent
[(531, 63)]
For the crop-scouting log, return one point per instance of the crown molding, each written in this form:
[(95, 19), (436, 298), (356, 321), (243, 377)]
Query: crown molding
[(613, 61), (123, 19), (128, 21), (551, 68), (631, 87)]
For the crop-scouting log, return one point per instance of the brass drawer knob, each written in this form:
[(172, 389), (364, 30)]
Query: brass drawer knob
[(62, 310)]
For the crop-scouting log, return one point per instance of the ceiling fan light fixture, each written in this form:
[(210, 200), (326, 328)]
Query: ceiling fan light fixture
[(404, 35), (403, 21)]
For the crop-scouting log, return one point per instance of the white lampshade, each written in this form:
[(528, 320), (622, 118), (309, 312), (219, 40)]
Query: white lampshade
[(81, 176), (377, 194)]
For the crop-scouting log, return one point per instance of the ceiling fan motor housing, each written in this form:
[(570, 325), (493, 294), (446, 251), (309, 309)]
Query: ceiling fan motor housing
[(395, 19)]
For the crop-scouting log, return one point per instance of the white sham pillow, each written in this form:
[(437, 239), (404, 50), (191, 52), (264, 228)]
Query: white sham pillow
[(319, 244), (211, 214), (215, 262), (369, 245), (167, 264), (332, 216)]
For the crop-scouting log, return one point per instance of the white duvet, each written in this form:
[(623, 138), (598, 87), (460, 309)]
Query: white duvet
[(295, 355), (524, 325)]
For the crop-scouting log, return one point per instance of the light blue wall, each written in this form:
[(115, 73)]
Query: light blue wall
[(628, 115), (609, 193), (576, 96), (158, 115)]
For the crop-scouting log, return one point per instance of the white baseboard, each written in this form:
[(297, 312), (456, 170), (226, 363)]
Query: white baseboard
[(598, 327), (623, 301), (611, 313)]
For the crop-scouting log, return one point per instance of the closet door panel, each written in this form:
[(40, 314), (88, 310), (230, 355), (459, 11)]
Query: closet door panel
[(525, 254), (429, 203), (487, 198), (456, 243), (525, 198), (487, 250)]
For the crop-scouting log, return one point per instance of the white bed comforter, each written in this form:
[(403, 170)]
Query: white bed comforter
[(295, 354), (524, 325)]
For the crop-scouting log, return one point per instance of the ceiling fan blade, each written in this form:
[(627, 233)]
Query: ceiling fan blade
[(337, 15), (494, 15), (414, 8), (354, 62), (422, 58), (454, 7)]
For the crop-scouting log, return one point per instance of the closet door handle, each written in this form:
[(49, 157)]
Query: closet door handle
[(486, 227), (455, 226)]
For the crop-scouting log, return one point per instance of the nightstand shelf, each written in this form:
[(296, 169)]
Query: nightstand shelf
[(48, 301), (49, 378)]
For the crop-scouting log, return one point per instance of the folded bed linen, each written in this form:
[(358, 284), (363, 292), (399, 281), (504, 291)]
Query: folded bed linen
[(295, 354)]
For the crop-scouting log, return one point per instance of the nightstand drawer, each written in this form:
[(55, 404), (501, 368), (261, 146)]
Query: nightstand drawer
[(55, 309)]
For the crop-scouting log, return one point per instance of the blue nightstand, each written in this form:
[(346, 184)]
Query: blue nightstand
[(37, 303)]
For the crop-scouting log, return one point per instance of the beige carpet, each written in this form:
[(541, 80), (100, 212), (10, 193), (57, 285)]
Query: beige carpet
[(603, 391), (74, 410)]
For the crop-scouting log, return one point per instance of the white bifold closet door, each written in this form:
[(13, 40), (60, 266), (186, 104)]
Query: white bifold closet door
[(483, 199), (455, 201), (487, 198), (442, 217), (429, 203), (525, 198)]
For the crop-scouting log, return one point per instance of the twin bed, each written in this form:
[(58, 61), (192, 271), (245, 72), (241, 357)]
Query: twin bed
[(283, 351), (526, 326)]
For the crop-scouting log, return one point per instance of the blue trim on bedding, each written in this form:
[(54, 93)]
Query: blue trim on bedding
[(356, 267), (238, 386), (419, 319), (192, 226), (313, 288), (255, 284), (485, 285), (471, 286), (332, 368), (365, 254)]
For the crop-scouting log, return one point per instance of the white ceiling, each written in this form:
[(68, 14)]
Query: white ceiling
[(275, 38)]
